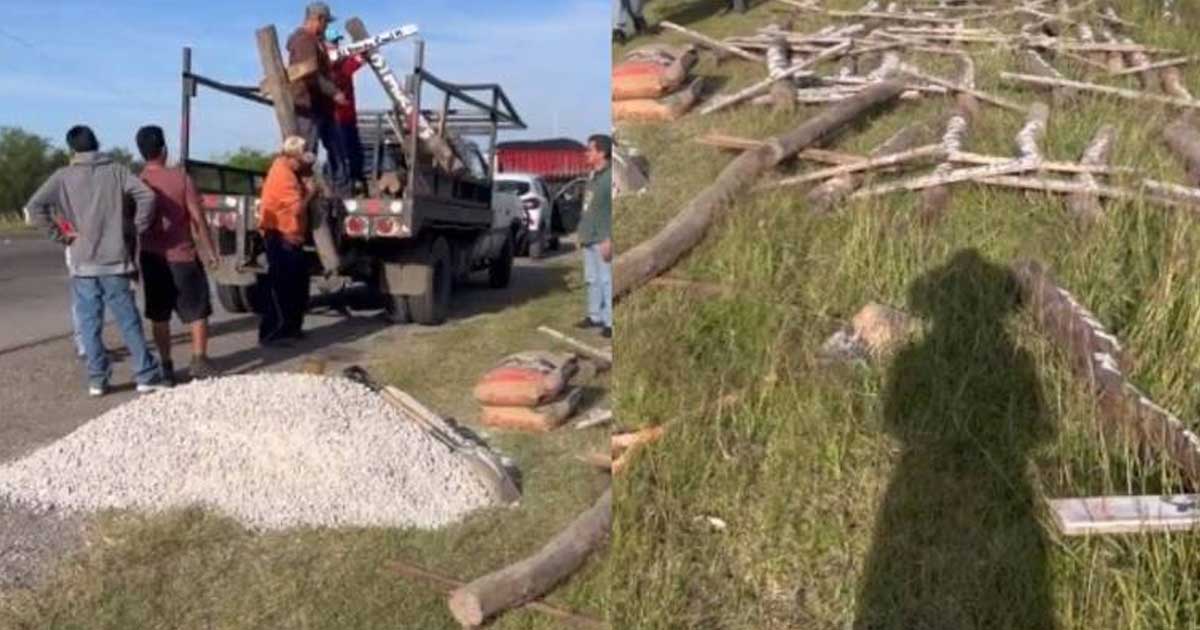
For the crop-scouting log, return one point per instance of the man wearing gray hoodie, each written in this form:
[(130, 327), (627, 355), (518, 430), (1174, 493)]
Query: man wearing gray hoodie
[(90, 194)]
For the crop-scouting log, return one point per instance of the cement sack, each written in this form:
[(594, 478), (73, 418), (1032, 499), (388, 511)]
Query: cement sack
[(545, 417), (526, 379), (651, 72)]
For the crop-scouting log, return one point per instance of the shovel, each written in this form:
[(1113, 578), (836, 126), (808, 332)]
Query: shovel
[(482, 461)]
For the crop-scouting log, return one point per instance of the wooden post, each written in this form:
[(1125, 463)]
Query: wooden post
[(652, 257), (277, 84), (1086, 205), (710, 42), (822, 198), (532, 577), (1133, 95)]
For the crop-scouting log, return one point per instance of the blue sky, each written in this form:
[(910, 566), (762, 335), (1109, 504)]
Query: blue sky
[(115, 64)]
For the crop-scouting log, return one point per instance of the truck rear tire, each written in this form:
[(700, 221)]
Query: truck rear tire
[(231, 299), (432, 305), (238, 299), (500, 271)]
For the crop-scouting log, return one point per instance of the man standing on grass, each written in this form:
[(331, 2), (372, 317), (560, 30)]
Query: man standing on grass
[(173, 277), (286, 193), (317, 95), (89, 194), (595, 236)]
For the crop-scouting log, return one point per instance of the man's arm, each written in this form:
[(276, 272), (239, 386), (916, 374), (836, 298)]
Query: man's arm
[(143, 199), (208, 251), (37, 210), (301, 51)]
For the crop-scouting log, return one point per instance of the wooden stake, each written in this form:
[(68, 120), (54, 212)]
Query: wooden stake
[(822, 198), (761, 86), (712, 43), (534, 576), (950, 85), (929, 150), (1101, 89), (276, 82), (960, 175), (1031, 134), (1157, 65), (652, 257), (603, 355)]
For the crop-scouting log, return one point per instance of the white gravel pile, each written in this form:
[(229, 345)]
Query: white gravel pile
[(272, 450)]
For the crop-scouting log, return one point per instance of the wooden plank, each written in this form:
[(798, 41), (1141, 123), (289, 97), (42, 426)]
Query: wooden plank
[(930, 150), (950, 85), (603, 355), (712, 43), (1084, 516), (762, 86)]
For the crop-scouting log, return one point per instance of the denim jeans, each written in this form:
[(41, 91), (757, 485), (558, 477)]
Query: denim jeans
[(598, 275), (287, 290), (92, 295), (623, 15), (80, 349), (325, 129)]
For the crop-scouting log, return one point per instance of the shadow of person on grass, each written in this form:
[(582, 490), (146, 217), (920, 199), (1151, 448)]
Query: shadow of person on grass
[(956, 542)]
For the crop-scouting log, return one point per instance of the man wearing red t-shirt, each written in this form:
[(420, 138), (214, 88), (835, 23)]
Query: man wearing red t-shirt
[(170, 264), (346, 112)]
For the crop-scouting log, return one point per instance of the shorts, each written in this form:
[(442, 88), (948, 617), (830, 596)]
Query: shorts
[(179, 287)]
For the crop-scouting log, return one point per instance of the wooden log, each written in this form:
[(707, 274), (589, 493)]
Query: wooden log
[(276, 82), (1172, 81), (1183, 139), (880, 161), (1147, 77), (534, 576), (891, 16), (822, 198), (1059, 186), (448, 584), (725, 141), (966, 157), (1098, 360), (1174, 191), (1126, 514), (1133, 95), (712, 43), (950, 85), (1086, 205), (936, 199), (797, 69), (1116, 58), (1031, 133), (778, 61), (1088, 36), (603, 355), (652, 257)]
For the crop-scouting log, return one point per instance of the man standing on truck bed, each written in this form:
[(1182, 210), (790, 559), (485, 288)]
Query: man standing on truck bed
[(595, 236), (284, 225), (316, 94), (90, 194), (346, 114), (173, 277)]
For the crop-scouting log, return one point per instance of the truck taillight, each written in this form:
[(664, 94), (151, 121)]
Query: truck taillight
[(385, 226), (531, 204), (356, 226)]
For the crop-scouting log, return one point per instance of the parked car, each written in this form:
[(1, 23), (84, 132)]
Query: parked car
[(539, 234)]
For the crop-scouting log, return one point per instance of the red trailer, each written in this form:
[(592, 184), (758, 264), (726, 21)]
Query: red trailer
[(556, 160)]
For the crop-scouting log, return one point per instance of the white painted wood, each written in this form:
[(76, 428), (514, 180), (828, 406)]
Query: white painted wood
[(1082, 516)]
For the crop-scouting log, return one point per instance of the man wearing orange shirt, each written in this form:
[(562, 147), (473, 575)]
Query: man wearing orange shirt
[(286, 194)]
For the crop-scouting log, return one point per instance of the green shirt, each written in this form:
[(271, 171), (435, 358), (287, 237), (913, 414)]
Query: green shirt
[(596, 223)]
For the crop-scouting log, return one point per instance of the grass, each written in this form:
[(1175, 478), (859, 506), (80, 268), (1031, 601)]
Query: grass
[(193, 569), (13, 223), (907, 493)]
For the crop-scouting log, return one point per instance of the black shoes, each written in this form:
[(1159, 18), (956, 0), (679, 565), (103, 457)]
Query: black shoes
[(587, 323), (607, 332), (168, 373), (201, 368)]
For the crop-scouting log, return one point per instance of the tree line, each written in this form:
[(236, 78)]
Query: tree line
[(27, 159)]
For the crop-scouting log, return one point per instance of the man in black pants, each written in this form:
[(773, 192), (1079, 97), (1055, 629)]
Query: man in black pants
[(286, 195)]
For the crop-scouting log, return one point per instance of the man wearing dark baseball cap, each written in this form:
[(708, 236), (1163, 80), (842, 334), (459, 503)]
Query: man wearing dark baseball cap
[(317, 94)]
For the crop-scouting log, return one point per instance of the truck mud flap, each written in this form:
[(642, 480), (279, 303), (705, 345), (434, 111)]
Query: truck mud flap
[(406, 278)]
